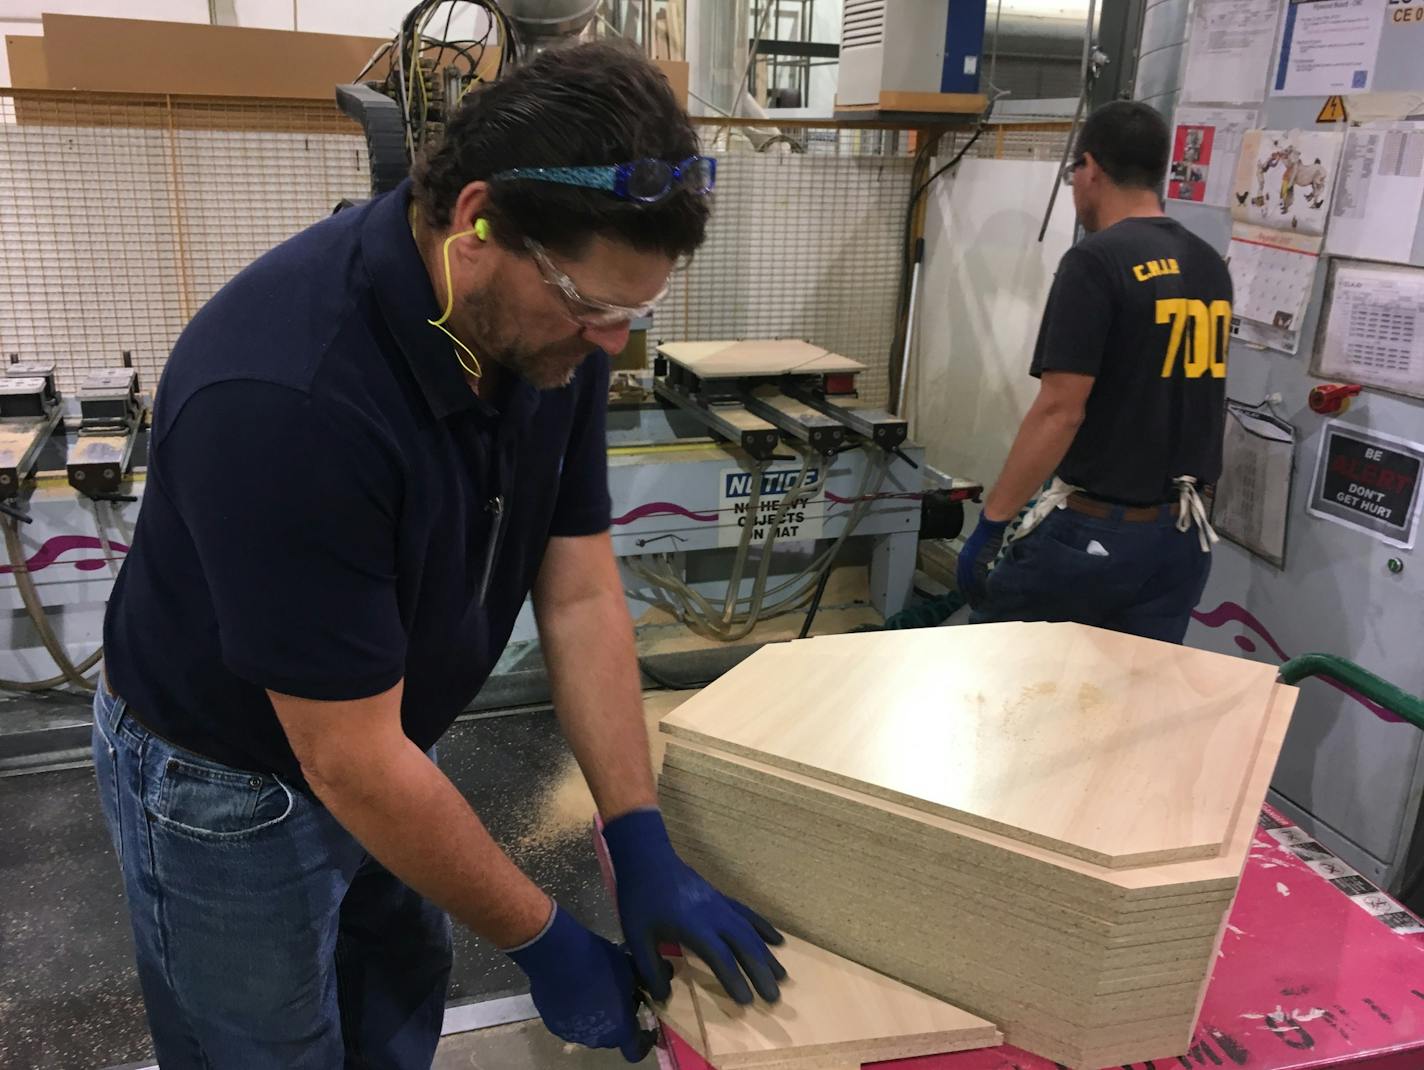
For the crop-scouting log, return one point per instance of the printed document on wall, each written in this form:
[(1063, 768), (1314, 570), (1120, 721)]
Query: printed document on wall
[(1381, 191), (1374, 329), (1328, 47), (1252, 498), (1205, 145), (1232, 42)]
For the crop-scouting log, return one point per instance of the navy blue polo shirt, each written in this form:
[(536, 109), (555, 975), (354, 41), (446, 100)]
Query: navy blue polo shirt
[(327, 497)]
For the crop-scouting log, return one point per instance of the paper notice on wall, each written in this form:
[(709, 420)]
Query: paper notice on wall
[(1380, 195), (1374, 330), (1272, 274), (1284, 179), (1232, 42), (1329, 46), (1205, 147), (1252, 499)]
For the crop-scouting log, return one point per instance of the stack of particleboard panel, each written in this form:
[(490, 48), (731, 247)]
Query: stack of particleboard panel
[(833, 1013), (1044, 824)]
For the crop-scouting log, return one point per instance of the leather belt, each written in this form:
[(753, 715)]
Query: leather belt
[(1138, 514)]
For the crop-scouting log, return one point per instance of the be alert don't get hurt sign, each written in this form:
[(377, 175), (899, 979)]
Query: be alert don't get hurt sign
[(1369, 481)]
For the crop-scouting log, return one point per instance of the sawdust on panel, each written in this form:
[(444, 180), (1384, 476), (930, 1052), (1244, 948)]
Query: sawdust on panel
[(565, 811)]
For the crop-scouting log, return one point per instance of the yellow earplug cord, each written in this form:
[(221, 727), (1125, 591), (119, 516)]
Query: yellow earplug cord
[(481, 231)]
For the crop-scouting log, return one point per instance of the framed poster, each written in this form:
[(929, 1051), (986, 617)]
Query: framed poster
[(1372, 328)]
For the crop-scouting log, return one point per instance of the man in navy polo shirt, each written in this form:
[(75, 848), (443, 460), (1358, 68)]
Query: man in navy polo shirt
[(368, 448)]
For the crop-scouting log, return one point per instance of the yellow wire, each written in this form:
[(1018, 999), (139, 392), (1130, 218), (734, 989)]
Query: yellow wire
[(477, 371)]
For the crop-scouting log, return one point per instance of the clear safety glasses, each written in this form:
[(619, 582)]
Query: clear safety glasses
[(587, 310)]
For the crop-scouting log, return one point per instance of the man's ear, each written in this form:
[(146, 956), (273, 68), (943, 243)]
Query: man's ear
[(471, 206)]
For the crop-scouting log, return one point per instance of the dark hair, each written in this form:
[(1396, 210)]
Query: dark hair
[(1129, 140), (583, 105)]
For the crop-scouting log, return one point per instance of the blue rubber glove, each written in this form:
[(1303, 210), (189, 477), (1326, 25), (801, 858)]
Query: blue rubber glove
[(978, 555), (583, 987), (660, 897)]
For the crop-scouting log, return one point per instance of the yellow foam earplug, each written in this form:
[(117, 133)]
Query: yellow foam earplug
[(482, 229)]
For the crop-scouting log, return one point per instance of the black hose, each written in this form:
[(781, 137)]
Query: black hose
[(816, 599)]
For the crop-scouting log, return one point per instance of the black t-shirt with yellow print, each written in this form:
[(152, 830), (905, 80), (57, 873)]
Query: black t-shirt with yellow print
[(1145, 308)]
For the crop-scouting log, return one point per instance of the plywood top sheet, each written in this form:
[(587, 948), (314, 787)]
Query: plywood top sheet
[(771, 356), (1145, 882), (832, 1012), (1116, 750)]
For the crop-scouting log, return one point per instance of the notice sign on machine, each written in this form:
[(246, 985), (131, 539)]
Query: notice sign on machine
[(800, 520), (1369, 481)]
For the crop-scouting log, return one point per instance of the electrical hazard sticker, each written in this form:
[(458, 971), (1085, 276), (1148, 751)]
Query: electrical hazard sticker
[(1334, 111)]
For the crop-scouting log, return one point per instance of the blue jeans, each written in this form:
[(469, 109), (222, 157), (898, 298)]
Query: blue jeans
[(265, 935), (1140, 577)]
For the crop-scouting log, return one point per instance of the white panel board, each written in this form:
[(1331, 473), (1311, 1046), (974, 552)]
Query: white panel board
[(984, 284)]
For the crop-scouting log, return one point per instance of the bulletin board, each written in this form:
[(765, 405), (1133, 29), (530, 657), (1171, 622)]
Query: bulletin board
[(1343, 587)]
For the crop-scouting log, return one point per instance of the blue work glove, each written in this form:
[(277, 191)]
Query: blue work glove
[(583, 987), (978, 555), (660, 897)]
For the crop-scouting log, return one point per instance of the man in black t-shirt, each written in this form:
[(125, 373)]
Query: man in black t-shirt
[(1131, 356)]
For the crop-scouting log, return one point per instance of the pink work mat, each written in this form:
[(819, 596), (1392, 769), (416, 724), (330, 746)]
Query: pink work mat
[(1317, 969)]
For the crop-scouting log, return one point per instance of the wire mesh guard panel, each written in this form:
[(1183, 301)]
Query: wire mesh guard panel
[(119, 217), (803, 246), (116, 226)]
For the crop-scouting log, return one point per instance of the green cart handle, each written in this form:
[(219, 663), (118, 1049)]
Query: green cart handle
[(1395, 699)]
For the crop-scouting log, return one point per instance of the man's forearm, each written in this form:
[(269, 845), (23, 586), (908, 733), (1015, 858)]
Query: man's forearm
[(593, 668), (1038, 449), (409, 816)]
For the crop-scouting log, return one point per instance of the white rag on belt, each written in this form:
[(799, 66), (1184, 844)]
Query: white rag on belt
[(1190, 509), (1055, 497)]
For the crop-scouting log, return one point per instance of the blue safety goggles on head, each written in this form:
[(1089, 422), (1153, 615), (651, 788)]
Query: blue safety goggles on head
[(642, 180)]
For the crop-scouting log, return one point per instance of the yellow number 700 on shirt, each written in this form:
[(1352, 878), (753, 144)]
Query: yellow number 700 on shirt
[(1210, 335)]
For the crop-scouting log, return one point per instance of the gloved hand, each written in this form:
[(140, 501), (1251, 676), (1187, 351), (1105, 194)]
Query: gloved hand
[(660, 897), (583, 988), (978, 554)]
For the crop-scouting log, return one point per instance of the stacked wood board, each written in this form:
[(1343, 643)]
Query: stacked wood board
[(832, 1014), (1044, 824)]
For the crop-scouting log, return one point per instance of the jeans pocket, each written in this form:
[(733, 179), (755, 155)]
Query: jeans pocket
[(1079, 541), (209, 801)]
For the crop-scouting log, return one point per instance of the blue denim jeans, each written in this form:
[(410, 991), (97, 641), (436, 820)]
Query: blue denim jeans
[(1140, 577), (265, 935)]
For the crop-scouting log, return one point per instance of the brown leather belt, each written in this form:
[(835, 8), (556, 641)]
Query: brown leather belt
[(1138, 514)]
